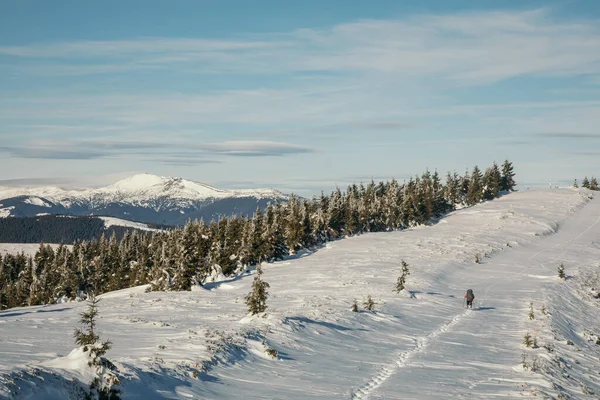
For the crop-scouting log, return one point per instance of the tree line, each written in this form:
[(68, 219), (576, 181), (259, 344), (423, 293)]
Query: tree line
[(591, 184), (56, 229), (180, 258)]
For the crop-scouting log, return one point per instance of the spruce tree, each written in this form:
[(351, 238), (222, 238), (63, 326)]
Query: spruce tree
[(402, 278), (594, 184), (585, 183), (103, 386), (369, 303), (257, 298), (561, 271), (475, 190), (507, 183), (575, 185)]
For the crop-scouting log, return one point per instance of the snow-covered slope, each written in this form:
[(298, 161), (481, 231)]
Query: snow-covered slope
[(111, 221), (142, 197), (29, 249), (135, 189), (419, 344)]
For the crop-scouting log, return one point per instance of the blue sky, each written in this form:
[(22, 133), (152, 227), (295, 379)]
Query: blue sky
[(299, 96)]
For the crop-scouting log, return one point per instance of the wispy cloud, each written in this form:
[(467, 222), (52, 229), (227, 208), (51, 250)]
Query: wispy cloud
[(173, 153), (255, 148), (28, 182), (470, 48)]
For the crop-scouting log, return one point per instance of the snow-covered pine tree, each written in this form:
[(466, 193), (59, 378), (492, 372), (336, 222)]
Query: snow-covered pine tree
[(189, 260), (256, 300), (475, 190), (402, 278), (104, 384), (575, 185), (491, 182), (307, 240), (293, 224), (452, 190), (585, 183), (507, 183), (561, 271), (24, 284), (465, 182), (594, 184), (350, 208), (369, 303)]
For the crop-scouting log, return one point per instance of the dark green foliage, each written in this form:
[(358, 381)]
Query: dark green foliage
[(104, 384), (55, 229), (507, 182), (475, 191), (491, 182), (594, 184), (180, 258), (402, 278), (585, 183), (257, 298), (88, 320), (354, 307), (561, 271)]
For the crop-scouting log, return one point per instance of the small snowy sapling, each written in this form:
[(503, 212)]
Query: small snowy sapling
[(369, 304), (354, 307), (402, 278), (531, 314), (561, 271), (257, 299), (103, 386)]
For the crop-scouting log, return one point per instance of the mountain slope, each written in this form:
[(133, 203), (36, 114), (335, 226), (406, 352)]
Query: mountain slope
[(143, 198), (420, 344)]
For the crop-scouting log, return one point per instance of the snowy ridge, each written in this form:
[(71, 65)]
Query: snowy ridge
[(142, 197), (419, 344), (111, 221), (135, 189)]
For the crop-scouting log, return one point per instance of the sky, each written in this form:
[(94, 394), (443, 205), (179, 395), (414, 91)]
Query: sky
[(297, 96)]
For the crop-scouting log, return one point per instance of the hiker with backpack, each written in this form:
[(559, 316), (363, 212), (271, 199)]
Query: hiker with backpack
[(470, 296)]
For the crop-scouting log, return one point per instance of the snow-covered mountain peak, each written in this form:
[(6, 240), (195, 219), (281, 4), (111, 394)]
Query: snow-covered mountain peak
[(137, 182), (142, 197)]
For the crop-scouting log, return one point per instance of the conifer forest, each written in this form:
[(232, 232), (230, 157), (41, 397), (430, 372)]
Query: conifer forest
[(177, 259)]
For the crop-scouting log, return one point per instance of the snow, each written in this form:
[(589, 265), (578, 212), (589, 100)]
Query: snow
[(5, 212), (36, 201), (111, 221), (137, 182), (28, 248), (140, 189), (421, 344)]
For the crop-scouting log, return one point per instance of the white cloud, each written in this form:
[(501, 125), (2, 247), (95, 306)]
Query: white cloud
[(468, 48)]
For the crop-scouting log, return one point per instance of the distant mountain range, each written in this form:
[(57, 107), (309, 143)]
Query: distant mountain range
[(143, 198)]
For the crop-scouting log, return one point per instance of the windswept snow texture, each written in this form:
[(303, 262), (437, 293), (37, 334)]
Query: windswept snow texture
[(420, 344)]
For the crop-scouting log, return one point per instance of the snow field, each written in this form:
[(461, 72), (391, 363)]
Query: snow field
[(420, 344)]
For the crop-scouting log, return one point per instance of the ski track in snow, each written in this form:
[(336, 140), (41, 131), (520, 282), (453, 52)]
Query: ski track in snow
[(403, 359)]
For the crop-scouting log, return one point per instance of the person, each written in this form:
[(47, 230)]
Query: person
[(470, 296)]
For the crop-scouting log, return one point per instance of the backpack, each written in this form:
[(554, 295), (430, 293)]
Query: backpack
[(470, 295)]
